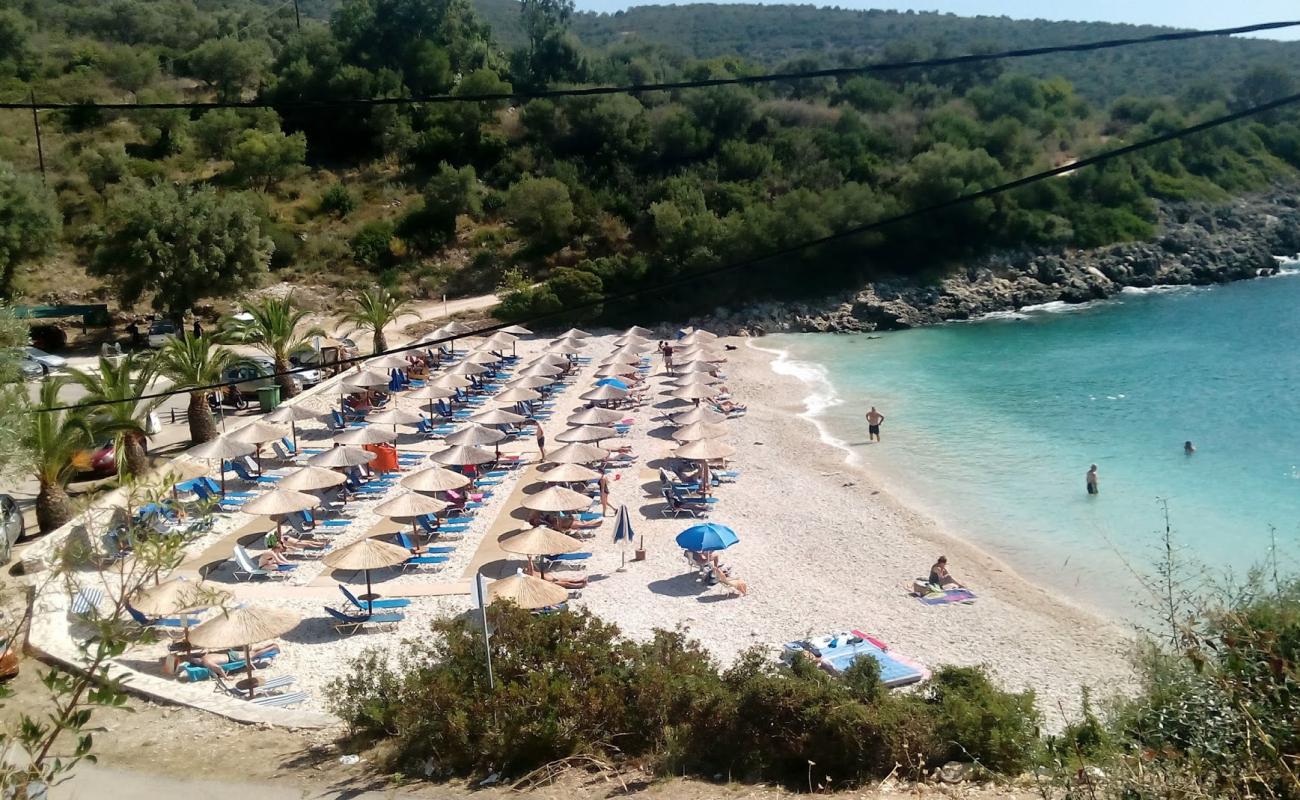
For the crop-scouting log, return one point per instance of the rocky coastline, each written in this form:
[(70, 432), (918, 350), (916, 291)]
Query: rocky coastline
[(1196, 243)]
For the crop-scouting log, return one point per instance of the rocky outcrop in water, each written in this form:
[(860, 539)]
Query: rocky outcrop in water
[(1198, 244)]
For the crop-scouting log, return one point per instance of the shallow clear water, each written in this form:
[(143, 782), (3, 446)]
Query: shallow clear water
[(992, 425)]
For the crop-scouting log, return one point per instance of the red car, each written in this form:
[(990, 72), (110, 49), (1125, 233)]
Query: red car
[(98, 462)]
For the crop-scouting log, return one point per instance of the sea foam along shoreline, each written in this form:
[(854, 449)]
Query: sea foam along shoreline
[(837, 549)]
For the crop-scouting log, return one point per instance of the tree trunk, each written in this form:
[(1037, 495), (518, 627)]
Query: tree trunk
[(287, 387), (53, 507), (137, 461), (203, 428), (381, 344)]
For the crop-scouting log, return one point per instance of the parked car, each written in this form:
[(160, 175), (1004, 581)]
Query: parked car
[(43, 361), (12, 526), (160, 331), (97, 462), (255, 373)]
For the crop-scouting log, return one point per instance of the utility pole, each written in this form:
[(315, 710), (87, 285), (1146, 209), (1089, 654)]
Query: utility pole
[(36, 123)]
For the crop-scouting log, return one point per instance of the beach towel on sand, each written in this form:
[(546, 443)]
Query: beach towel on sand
[(836, 652), (946, 596)]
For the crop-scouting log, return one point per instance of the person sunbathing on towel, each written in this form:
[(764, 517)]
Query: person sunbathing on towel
[(567, 583), (276, 541), (215, 662), (735, 584), (727, 406), (939, 575)]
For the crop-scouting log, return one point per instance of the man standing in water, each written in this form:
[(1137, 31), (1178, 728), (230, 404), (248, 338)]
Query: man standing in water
[(874, 418), (1092, 480)]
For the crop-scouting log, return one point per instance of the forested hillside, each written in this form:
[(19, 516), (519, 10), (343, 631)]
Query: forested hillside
[(586, 195)]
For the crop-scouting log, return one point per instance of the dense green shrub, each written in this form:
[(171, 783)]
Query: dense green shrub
[(568, 683), (372, 245), (338, 200)]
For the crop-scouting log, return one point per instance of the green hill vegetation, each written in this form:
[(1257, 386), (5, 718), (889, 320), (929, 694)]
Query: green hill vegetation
[(585, 195)]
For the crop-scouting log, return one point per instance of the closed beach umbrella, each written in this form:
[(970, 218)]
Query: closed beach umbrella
[(338, 457), (556, 499), (623, 530), (539, 541), (577, 453), (595, 416), (464, 455), (448, 380), (694, 391), (530, 382), (615, 382), (698, 415), (366, 555), (705, 450), (516, 330), (527, 592), (475, 434), (570, 473), (517, 394), (311, 479), (367, 435), (586, 433), (435, 479), (220, 449), (293, 414), (243, 627), (366, 379), (496, 416), (707, 536), (602, 394), (699, 430)]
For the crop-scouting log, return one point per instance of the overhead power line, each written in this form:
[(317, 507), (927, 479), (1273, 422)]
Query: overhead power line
[(640, 292), (591, 91)]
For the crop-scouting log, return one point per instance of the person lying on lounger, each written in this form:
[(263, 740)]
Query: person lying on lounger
[(215, 662), (567, 583), (727, 406), (560, 522), (284, 542), (273, 559), (939, 575)]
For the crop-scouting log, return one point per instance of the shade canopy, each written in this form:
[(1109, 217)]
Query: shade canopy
[(221, 447), (435, 479), (570, 473), (575, 333), (637, 330), (698, 415), (475, 434), (499, 339), (396, 416), (548, 370), (595, 416), (699, 430), (178, 596), (695, 379), (409, 504), (449, 380), (628, 360), (604, 393), (530, 382), (432, 391), (516, 330), (482, 357), (366, 379), (540, 541), (467, 368), (586, 433), (557, 498), (566, 346), (696, 337), (705, 450), (311, 478), (242, 626), (368, 553), (496, 416), (341, 457), (707, 536), (577, 453), (370, 434), (464, 455), (552, 359), (693, 391), (390, 361), (526, 591), (695, 366), (615, 370), (698, 353), (297, 412), (517, 394), (280, 501)]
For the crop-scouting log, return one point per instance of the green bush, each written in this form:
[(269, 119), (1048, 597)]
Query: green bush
[(569, 684), (338, 200), (372, 245)]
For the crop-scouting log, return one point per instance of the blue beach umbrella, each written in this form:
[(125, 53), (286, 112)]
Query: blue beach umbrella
[(706, 537), (615, 382)]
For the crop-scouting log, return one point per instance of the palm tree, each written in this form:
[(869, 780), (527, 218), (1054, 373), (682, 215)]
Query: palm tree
[(375, 310), (51, 441), (273, 329), (191, 362), (115, 386)]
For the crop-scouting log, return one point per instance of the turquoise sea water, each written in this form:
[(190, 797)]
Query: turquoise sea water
[(991, 426)]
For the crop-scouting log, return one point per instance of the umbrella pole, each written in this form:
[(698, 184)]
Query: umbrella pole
[(223, 477), (369, 592), (294, 427), (248, 664)]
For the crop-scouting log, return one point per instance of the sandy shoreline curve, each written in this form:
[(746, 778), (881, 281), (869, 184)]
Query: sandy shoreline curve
[(824, 549)]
